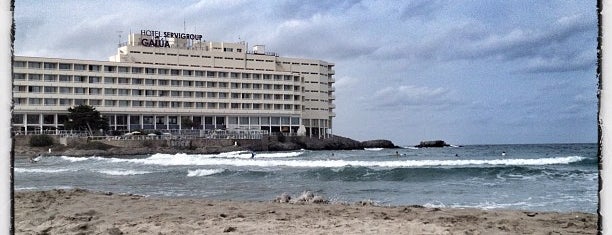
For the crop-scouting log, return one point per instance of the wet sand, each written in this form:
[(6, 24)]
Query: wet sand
[(83, 212)]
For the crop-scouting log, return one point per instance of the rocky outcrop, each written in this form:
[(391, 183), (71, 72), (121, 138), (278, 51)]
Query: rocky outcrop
[(378, 144), (197, 146), (432, 144)]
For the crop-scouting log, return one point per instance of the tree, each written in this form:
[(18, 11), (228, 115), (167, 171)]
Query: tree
[(85, 117), (187, 123)]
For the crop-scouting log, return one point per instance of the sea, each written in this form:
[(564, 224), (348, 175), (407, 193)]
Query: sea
[(534, 177)]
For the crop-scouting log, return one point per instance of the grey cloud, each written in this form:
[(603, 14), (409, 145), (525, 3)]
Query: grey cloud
[(412, 96)]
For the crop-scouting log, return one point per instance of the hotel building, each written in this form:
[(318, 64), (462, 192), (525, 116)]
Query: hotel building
[(157, 80)]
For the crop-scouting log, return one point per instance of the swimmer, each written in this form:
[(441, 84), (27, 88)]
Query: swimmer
[(504, 153)]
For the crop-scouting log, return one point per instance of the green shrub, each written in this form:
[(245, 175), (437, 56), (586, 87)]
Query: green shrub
[(41, 141)]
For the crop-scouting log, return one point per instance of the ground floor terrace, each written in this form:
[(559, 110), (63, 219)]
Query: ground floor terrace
[(53, 123)]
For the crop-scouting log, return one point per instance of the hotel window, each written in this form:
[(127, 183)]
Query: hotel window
[(110, 69), (175, 83), (109, 80), (19, 64), (137, 81), (95, 91), (210, 74), (20, 88), (265, 120), (19, 76), (199, 73), (246, 75), (278, 96), (50, 65), (174, 72), (93, 67), (287, 107), (234, 106), (199, 84), (223, 85), (110, 103), (175, 93), (34, 89), (244, 120), (256, 96), (222, 105), (212, 105), (122, 92), (35, 101), (223, 95), (65, 90), (137, 70), (124, 103), (175, 104), (136, 103), (147, 120), (234, 75), (150, 92), (199, 94), (199, 105), (123, 80), (18, 118), (33, 77), (246, 96), (187, 73), (256, 106), (234, 85), (63, 66), (187, 94), (267, 106), (50, 89), (267, 86), (278, 107), (266, 76), (211, 84), (211, 94), (235, 95), (50, 102), (150, 104), (162, 82), (246, 86), (150, 71), (187, 83), (80, 79), (163, 93), (256, 76), (95, 102), (65, 102), (256, 86), (137, 92), (267, 96), (149, 82), (79, 90), (50, 78), (162, 71), (94, 79), (277, 77), (246, 106), (222, 74), (286, 97), (34, 65), (122, 69), (110, 91), (188, 105), (163, 104), (275, 120)]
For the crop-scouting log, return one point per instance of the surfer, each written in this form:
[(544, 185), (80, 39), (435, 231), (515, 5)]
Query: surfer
[(252, 154), (504, 153), (397, 154), (35, 159)]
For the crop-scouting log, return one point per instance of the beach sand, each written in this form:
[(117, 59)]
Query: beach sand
[(79, 211)]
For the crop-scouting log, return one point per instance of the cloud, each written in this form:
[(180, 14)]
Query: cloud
[(412, 96)]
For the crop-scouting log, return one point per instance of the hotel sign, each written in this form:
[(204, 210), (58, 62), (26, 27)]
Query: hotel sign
[(160, 39)]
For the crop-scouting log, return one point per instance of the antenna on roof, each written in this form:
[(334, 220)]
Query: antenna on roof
[(119, 32)]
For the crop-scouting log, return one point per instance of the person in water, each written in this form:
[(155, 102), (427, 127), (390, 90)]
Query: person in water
[(504, 153), (252, 154)]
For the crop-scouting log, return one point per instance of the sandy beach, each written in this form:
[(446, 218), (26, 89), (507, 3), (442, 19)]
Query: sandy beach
[(82, 212)]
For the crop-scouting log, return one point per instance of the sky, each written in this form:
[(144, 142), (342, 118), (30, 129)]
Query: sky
[(467, 72)]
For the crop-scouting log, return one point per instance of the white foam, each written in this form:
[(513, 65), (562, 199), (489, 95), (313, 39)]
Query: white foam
[(203, 172), (74, 159), (373, 149), (202, 160), (39, 170), (123, 172)]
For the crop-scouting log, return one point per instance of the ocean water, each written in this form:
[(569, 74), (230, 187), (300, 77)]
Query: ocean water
[(546, 177)]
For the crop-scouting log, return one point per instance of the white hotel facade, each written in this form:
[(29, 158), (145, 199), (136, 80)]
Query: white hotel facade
[(157, 79)]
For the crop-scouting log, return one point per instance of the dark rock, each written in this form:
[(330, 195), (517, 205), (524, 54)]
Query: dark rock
[(432, 144), (378, 144)]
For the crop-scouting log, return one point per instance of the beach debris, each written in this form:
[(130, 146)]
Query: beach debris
[(306, 196), (283, 198), (229, 229), (365, 203)]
